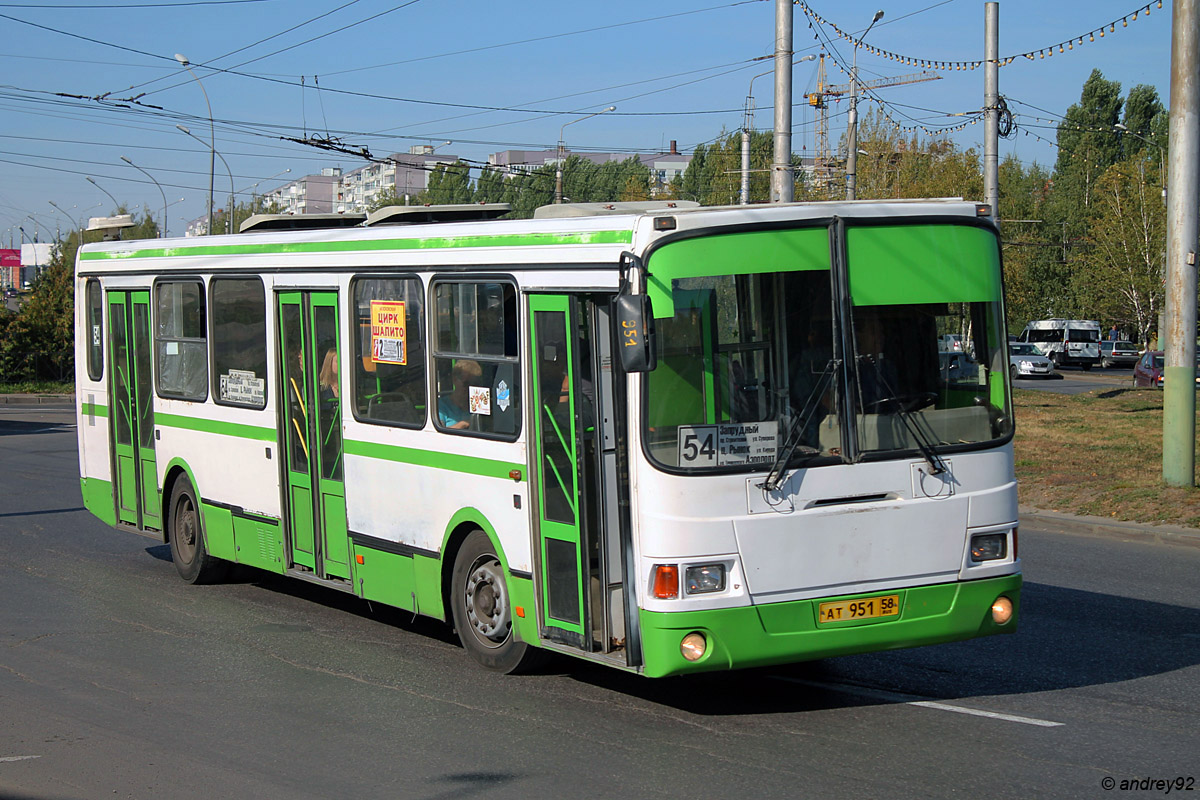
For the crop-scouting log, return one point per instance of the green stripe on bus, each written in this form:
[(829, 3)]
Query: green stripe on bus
[(93, 409), (214, 426), (359, 245), (470, 465)]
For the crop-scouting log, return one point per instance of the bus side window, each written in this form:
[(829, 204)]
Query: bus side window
[(180, 340), (475, 358), (239, 342), (389, 351), (95, 330)]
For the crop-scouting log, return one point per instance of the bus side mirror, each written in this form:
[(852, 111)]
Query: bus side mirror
[(635, 333)]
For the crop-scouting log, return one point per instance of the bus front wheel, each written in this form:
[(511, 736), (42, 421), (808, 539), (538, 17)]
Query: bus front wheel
[(482, 609), (191, 558)]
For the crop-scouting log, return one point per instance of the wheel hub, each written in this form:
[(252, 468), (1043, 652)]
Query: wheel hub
[(487, 608)]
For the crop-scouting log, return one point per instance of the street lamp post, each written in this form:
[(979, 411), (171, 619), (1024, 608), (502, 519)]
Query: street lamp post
[(212, 156), (748, 126), (229, 215), (562, 150), (253, 189), (73, 220), (852, 138), (162, 234), (116, 205)]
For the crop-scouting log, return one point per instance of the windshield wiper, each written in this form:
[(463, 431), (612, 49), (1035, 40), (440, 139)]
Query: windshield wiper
[(902, 403), (796, 429)]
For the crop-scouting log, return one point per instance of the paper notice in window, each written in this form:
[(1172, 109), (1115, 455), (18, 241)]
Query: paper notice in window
[(727, 445), (388, 334)]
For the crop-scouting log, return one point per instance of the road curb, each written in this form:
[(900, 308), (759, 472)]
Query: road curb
[(1058, 522), (36, 400)]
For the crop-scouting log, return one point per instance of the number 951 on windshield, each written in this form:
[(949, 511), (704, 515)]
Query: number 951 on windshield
[(887, 605)]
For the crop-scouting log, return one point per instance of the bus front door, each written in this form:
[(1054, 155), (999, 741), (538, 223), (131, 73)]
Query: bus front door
[(311, 433), (556, 455), (135, 473)]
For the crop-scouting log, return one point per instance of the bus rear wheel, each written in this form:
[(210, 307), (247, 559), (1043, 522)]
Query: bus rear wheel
[(482, 609), (192, 561)]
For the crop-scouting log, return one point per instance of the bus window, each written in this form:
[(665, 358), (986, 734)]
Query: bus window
[(389, 351), (95, 331), (475, 357), (239, 342), (181, 347)]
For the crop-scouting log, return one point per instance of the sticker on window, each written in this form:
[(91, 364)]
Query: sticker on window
[(388, 332), (728, 445), (480, 400), (242, 386)]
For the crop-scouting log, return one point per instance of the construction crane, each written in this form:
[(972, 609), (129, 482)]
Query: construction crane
[(823, 165)]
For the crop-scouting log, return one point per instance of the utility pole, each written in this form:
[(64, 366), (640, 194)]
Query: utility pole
[(991, 108), (1183, 239), (852, 131), (783, 184)]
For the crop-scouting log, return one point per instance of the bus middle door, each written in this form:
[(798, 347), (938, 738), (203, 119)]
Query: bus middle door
[(311, 433)]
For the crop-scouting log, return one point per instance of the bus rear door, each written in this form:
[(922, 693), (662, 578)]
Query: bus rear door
[(135, 473)]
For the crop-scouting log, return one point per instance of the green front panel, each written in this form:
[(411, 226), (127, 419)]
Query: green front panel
[(781, 633), (556, 458)]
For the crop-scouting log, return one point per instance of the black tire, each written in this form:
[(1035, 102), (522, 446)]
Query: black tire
[(1012, 373), (482, 609), (1106, 364), (186, 529)]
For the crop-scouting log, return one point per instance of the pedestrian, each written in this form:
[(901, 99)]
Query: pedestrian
[(1113, 335)]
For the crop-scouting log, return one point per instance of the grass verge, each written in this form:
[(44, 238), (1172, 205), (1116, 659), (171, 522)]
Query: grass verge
[(38, 387), (1098, 453)]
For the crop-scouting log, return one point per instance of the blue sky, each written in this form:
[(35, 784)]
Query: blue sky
[(428, 71)]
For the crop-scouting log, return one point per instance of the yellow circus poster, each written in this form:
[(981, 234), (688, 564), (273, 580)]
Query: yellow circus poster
[(387, 332)]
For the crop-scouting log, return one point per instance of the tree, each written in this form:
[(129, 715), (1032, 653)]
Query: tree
[(1087, 146), (1120, 277), (448, 184), (383, 199)]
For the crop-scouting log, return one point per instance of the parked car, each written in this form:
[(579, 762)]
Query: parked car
[(1118, 354), (1027, 361), (958, 368), (1150, 368), (950, 343)]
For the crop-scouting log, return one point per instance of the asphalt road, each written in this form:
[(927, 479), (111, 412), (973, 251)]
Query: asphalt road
[(1076, 381), (118, 680)]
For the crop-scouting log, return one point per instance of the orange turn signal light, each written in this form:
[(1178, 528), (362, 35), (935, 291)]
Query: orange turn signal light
[(358, 559), (666, 581)]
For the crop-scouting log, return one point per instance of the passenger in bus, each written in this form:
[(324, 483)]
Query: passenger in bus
[(328, 378), (452, 407)]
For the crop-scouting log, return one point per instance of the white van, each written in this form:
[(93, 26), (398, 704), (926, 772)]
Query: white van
[(1066, 342)]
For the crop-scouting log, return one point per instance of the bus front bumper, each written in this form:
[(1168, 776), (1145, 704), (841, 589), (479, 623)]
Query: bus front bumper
[(783, 633)]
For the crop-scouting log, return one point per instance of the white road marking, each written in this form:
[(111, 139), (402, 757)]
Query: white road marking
[(17, 758), (897, 697)]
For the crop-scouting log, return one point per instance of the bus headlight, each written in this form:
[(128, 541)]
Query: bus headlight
[(705, 579), (693, 646), (1002, 610), (989, 546)]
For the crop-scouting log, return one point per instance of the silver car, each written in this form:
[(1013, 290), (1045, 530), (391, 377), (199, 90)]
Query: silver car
[(1118, 354), (1027, 361)]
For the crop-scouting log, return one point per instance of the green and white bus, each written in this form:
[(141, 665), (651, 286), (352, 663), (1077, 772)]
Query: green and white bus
[(662, 438)]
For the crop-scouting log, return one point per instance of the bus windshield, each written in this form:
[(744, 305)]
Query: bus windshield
[(750, 363)]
